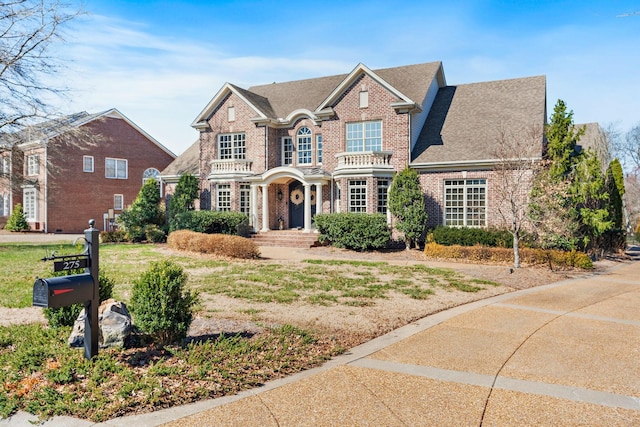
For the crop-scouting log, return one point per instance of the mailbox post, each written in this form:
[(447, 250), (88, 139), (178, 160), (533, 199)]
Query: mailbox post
[(63, 291)]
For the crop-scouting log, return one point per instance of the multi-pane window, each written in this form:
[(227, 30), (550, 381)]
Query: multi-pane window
[(30, 199), (245, 198), (305, 148), (6, 165), (465, 202), (118, 202), (7, 204), (33, 164), (318, 149), (87, 163), (2, 213), (364, 136), (383, 194), (287, 151), (357, 196), (232, 146), (115, 168), (223, 197)]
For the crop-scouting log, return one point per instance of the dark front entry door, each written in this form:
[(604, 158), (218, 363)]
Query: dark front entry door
[(296, 205)]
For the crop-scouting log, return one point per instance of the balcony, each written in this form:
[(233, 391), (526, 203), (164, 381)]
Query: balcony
[(364, 161), (230, 168)]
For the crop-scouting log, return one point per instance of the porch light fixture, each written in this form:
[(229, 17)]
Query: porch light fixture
[(279, 194)]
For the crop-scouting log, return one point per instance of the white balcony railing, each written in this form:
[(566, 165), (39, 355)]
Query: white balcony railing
[(230, 166), (364, 160)]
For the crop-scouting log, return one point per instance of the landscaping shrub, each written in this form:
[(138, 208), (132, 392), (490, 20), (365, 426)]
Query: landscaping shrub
[(357, 231), (161, 306), (528, 256), (66, 316), (17, 221), (155, 234), (468, 236), (215, 244), (116, 236), (210, 222)]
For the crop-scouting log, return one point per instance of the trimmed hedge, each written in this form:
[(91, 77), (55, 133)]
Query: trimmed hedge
[(209, 222), (215, 244), (468, 236), (528, 256), (356, 231)]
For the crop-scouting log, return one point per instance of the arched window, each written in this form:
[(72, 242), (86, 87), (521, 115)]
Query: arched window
[(150, 173), (305, 146)]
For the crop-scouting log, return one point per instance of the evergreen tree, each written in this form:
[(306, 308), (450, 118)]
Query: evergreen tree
[(17, 221), (145, 211), (406, 203), (186, 192), (615, 188), (562, 137)]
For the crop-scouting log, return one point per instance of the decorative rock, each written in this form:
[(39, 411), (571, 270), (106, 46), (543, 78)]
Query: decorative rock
[(115, 325)]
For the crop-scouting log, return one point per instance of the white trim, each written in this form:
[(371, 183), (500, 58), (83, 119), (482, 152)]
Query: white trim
[(200, 121), (84, 168)]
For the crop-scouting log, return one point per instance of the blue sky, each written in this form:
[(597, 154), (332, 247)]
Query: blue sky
[(160, 62)]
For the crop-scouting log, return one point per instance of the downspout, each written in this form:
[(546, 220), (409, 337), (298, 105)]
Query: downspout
[(46, 189), (410, 140)]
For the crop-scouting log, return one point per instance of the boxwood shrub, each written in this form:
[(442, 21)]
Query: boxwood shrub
[(356, 231), (210, 222)]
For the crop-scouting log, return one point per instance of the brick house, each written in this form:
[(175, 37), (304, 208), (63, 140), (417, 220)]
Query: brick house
[(283, 152), (83, 166)]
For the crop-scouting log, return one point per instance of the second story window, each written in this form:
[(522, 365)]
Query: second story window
[(287, 151), (115, 168), (232, 146), (33, 165), (304, 146), (364, 136), (87, 163), (319, 149)]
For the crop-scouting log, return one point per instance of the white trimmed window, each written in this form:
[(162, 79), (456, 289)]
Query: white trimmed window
[(115, 168), (245, 198), (364, 136), (287, 151), (383, 195), (150, 173), (465, 202), (357, 196), (30, 202), (87, 163), (319, 149), (7, 165), (33, 165), (305, 148), (232, 146), (118, 202), (7, 204), (2, 211), (223, 197)]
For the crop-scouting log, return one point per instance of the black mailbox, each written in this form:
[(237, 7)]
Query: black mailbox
[(63, 291)]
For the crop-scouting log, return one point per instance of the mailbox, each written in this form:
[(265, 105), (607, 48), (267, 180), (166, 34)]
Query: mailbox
[(62, 291)]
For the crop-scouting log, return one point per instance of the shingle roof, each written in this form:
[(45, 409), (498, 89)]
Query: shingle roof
[(186, 163), (463, 122)]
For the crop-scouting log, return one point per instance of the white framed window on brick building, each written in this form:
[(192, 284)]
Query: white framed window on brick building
[(383, 195), (7, 204), (232, 146), (245, 198), (319, 149), (357, 195), (87, 163), (116, 168), (118, 202), (33, 164), (305, 146), (287, 151), (6, 165), (465, 202), (223, 197), (30, 203), (364, 136)]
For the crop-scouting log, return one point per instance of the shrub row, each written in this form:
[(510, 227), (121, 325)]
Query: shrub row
[(528, 256), (210, 222), (216, 244), (468, 236), (356, 231)]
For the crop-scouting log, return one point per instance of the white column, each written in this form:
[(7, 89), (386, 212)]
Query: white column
[(307, 208), (318, 199), (265, 208), (253, 207)]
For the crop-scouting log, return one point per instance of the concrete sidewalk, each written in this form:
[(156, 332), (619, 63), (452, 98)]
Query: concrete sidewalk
[(562, 354)]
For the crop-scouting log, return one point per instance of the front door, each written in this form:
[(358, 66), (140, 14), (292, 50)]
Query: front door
[(296, 205)]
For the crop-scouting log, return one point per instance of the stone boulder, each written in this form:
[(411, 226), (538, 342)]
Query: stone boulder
[(115, 325)]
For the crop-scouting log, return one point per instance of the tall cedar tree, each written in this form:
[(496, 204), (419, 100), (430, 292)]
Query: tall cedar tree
[(186, 192), (406, 203), (145, 209)]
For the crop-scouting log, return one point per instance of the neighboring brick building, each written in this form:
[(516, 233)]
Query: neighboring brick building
[(84, 166), (286, 151)]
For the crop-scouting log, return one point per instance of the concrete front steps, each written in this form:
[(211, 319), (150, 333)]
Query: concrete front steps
[(286, 238)]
